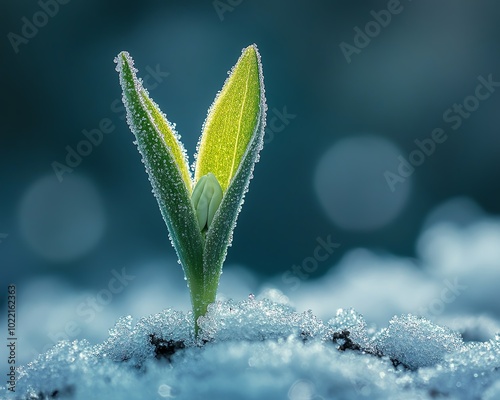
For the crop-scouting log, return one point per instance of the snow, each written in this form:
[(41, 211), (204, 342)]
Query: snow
[(421, 329), (456, 274), (228, 320), (258, 349), (417, 342)]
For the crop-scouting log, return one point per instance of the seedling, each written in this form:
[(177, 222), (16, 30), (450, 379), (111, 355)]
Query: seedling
[(201, 211)]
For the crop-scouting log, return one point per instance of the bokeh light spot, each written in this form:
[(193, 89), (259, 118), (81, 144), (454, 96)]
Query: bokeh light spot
[(350, 183), (62, 221)]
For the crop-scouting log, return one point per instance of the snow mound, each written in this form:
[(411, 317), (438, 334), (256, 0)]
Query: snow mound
[(137, 343), (352, 324), (257, 320), (258, 349), (416, 342), (467, 372)]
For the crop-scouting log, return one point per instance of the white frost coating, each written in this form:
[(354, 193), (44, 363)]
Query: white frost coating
[(263, 110), (220, 235), (256, 142), (281, 367), (226, 320), (417, 342), (169, 185), (135, 129), (258, 349), (157, 157), (353, 322)]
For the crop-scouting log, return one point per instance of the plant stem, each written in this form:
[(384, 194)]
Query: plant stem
[(202, 294)]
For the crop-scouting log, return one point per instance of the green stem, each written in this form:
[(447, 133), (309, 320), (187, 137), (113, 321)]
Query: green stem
[(201, 296)]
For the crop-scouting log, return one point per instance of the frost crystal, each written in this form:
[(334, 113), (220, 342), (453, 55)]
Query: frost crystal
[(258, 349), (417, 342), (350, 321), (228, 320)]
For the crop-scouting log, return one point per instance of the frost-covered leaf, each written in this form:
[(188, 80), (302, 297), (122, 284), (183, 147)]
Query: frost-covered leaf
[(232, 120), (167, 170), (238, 117), (229, 147), (170, 136)]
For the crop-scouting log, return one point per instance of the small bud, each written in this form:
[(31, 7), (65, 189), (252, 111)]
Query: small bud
[(206, 198)]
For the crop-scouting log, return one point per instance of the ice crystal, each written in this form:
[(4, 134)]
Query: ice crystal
[(258, 349)]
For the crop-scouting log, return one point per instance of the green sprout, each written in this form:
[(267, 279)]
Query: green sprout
[(201, 212)]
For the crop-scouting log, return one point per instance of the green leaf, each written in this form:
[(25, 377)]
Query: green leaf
[(231, 121), (166, 166), (201, 225), (238, 111), (172, 139)]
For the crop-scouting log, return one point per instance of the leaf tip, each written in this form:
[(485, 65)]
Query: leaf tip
[(251, 52), (251, 49), (124, 58)]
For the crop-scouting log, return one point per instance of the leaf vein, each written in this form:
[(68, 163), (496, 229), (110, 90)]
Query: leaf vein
[(240, 122)]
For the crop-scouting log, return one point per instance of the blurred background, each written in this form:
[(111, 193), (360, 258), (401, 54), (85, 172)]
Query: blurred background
[(382, 120)]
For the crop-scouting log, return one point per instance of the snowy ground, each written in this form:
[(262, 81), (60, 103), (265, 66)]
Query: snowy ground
[(257, 349), (276, 349)]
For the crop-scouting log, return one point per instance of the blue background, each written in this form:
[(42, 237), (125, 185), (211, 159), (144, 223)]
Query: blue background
[(390, 93)]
